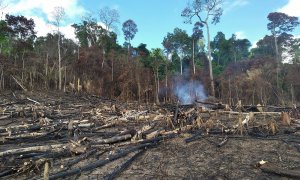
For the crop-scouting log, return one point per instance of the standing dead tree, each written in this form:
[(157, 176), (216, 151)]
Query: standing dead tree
[(58, 14)]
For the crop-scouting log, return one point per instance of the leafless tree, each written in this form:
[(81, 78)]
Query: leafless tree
[(110, 18), (58, 14)]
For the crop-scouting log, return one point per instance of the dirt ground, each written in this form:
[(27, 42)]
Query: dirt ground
[(169, 159)]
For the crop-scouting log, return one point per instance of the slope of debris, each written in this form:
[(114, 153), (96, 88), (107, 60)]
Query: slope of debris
[(60, 135)]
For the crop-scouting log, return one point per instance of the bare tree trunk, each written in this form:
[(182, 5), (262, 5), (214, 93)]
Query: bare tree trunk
[(181, 66), (31, 81), (166, 85), (194, 68), (103, 57), (46, 70), (65, 83), (59, 63), (230, 95), (156, 88), (277, 61), (210, 62), (112, 69), (78, 53), (23, 66), (292, 94), (1, 79)]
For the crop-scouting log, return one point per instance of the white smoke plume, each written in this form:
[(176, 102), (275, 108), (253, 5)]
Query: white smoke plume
[(189, 91)]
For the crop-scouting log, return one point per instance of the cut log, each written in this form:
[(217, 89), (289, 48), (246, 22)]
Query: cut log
[(31, 149), (124, 166), (113, 139), (29, 99), (270, 168), (29, 135)]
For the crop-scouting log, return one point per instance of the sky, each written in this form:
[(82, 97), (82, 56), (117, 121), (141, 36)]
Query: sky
[(155, 18)]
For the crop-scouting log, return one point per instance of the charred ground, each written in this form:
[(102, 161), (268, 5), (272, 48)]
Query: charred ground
[(88, 137)]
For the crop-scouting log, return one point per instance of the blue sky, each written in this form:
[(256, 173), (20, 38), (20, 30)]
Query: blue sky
[(155, 18)]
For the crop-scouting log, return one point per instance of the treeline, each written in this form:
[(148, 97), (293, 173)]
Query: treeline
[(97, 64)]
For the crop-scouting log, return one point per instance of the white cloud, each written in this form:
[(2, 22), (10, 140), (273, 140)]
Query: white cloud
[(232, 4), (291, 8), (41, 12), (240, 35), (45, 7)]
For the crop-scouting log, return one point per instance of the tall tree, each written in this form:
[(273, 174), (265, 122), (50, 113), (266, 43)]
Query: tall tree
[(157, 58), (197, 34), (280, 23), (110, 18), (129, 29), (58, 14), (204, 10), (178, 42)]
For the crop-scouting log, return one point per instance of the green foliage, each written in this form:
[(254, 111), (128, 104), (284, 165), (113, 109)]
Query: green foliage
[(217, 69), (226, 51), (129, 29)]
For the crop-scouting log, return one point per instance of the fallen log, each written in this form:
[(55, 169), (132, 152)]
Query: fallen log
[(271, 168), (245, 113), (195, 137), (29, 99), (116, 172), (7, 172), (113, 139), (32, 149), (99, 163), (78, 159), (5, 117), (24, 89), (29, 135), (212, 105)]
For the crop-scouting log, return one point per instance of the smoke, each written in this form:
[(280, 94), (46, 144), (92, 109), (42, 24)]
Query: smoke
[(187, 91)]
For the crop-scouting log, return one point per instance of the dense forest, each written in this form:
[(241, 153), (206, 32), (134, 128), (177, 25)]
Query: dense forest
[(188, 67)]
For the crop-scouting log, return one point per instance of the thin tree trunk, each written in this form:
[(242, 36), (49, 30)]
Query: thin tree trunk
[(46, 70), (156, 88), (59, 63), (1, 79), (166, 85), (210, 62), (181, 66), (157, 80), (194, 68), (78, 53), (277, 61), (230, 95), (65, 83), (112, 69), (23, 66), (292, 94), (103, 57)]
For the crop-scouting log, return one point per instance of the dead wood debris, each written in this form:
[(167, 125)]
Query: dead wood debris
[(36, 130)]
